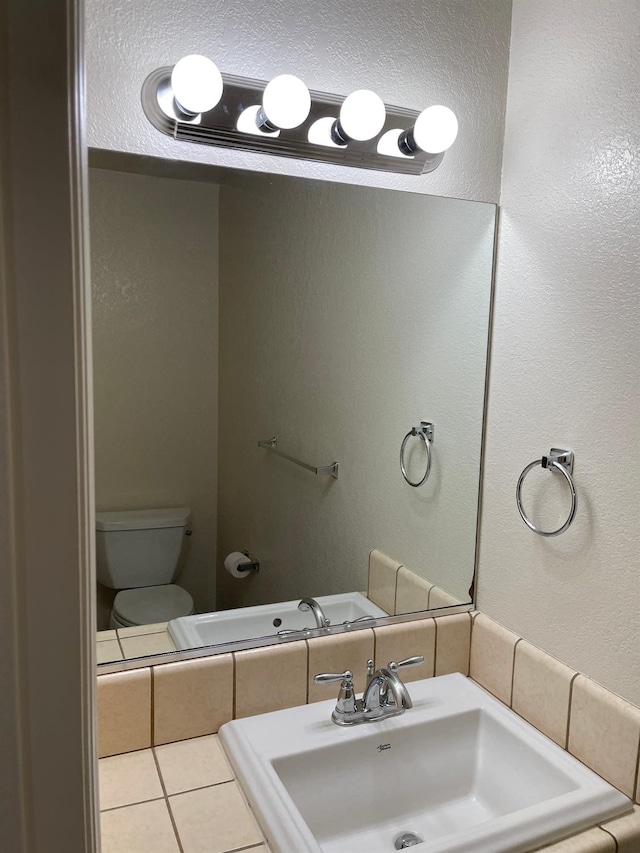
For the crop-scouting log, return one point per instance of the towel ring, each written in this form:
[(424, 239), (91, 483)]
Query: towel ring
[(425, 432), (558, 461)]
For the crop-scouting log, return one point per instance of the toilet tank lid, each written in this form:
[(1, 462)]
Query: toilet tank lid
[(142, 519)]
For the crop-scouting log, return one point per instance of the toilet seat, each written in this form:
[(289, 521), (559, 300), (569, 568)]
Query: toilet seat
[(149, 604)]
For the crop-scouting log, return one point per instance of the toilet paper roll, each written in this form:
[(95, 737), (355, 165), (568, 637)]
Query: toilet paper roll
[(232, 561)]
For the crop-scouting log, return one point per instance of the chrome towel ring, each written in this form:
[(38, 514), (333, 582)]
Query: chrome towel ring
[(424, 432), (558, 462)]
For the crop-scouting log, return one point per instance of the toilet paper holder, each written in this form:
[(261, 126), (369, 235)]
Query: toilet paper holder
[(250, 565)]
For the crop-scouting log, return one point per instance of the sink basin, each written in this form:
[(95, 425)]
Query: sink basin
[(459, 771), (247, 623)]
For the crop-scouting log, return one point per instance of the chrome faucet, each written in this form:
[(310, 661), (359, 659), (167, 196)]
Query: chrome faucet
[(385, 696), (318, 613)]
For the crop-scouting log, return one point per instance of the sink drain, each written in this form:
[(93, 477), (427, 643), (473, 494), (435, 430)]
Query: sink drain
[(406, 840)]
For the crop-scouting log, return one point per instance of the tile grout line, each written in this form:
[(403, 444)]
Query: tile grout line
[(395, 593), (234, 679), (635, 781), (513, 670), (469, 649), (130, 805), (615, 840), (306, 689), (566, 742), (166, 799), (152, 722), (435, 649)]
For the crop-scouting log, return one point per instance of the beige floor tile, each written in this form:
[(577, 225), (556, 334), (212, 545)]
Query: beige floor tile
[(192, 698), (412, 592), (128, 779), (145, 828), (101, 636), (214, 820), (453, 644), (153, 628), (492, 653), (604, 733), (382, 580), (335, 654), (108, 650), (124, 711), (541, 691), (271, 678), (591, 841), (395, 642), (147, 644), (626, 831), (195, 763)]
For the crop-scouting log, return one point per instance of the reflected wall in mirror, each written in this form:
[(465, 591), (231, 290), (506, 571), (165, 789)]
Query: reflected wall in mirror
[(230, 308)]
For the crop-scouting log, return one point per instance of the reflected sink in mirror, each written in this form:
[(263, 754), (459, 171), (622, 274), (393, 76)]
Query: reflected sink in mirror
[(248, 623), (459, 771)]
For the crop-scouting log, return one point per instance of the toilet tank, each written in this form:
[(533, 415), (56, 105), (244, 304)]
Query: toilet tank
[(139, 547)]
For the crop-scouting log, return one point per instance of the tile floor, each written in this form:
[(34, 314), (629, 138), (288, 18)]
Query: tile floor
[(127, 643), (176, 798)]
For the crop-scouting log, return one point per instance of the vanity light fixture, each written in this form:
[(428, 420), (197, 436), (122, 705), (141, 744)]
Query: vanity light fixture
[(193, 102), (197, 85), (285, 104), (362, 116)]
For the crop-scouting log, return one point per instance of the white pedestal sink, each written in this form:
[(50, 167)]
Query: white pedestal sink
[(459, 771)]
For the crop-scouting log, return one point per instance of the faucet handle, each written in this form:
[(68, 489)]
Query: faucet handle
[(328, 677), (416, 660)]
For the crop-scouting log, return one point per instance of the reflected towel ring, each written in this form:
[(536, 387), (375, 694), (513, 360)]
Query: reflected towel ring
[(558, 461), (425, 432)]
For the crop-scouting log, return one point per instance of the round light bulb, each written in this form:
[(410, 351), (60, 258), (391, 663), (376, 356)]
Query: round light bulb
[(362, 115), (196, 83), (286, 101), (435, 129)]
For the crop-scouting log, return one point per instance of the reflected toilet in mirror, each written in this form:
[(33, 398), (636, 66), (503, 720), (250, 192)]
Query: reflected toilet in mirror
[(229, 307)]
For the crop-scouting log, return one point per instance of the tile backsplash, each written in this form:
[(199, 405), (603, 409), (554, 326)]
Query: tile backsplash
[(398, 590)]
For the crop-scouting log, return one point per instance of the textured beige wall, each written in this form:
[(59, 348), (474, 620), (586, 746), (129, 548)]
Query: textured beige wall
[(348, 314), (154, 261), (566, 346)]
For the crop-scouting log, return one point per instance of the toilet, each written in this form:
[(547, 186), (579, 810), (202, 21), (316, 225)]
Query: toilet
[(137, 553)]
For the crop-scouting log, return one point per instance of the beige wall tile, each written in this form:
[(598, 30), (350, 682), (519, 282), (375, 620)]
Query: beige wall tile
[(145, 828), (440, 598), (124, 711), (108, 650), (335, 654), (214, 820), (453, 644), (195, 763), (140, 645), (271, 678), (626, 831), (591, 841), (542, 691), (192, 698), (128, 779), (604, 733), (412, 592), (492, 649), (382, 580), (395, 642)]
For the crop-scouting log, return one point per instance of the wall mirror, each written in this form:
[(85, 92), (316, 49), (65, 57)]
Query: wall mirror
[(244, 323)]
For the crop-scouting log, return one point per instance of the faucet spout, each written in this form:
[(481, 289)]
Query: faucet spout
[(318, 613)]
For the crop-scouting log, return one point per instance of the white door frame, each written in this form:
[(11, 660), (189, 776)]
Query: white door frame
[(48, 795)]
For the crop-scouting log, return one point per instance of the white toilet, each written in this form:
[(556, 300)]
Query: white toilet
[(137, 552)]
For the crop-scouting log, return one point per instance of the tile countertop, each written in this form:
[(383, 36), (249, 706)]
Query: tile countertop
[(176, 798), (182, 798), (127, 643)]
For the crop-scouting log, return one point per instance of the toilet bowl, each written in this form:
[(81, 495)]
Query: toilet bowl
[(137, 553)]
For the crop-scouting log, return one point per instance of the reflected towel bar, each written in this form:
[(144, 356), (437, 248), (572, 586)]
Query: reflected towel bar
[(272, 445)]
